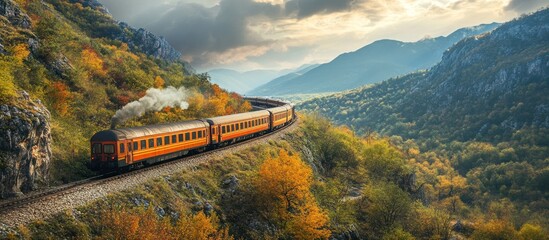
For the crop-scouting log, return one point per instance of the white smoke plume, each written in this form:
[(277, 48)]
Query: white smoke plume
[(154, 100)]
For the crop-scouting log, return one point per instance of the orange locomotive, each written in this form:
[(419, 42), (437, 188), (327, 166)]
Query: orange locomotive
[(124, 148)]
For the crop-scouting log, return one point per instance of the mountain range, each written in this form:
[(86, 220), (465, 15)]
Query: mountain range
[(491, 87), (243, 82), (373, 63)]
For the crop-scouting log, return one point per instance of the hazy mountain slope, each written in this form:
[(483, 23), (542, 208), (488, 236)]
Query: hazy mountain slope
[(376, 62), (280, 82), (242, 82), (490, 88)]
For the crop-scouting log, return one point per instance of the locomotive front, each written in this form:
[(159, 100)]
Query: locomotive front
[(104, 151)]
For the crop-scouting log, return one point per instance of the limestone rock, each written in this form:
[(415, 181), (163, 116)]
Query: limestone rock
[(25, 146)]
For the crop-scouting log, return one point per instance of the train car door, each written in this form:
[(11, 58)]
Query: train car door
[(214, 131), (129, 153)]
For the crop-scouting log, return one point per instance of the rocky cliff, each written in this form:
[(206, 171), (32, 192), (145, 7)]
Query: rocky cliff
[(138, 39), (148, 43), (13, 13), (25, 151)]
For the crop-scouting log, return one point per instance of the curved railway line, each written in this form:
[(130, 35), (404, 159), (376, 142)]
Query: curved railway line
[(43, 204)]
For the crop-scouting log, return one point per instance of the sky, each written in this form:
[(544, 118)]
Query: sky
[(247, 35)]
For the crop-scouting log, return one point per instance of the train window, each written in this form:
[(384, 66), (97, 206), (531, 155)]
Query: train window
[(232, 127), (143, 144), (167, 140), (223, 129), (241, 125), (151, 143), (204, 133), (174, 138), (213, 131), (237, 126), (159, 141), (187, 136), (122, 148), (129, 147), (108, 148), (135, 146), (246, 124), (96, 148), (199, 134), (194, 135), (180, 136)]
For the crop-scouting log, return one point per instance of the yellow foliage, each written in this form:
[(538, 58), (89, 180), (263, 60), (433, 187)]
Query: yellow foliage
[(93, 62), (20, 52), (532, 232), (283, 185), (7, 87), (495, 229), (158, 82)]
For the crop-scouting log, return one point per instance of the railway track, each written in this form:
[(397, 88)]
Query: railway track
[(12, 212)]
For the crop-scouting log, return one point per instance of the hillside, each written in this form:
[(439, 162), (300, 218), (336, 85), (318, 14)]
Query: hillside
[(484, 107), (373, 63), (67, 66)]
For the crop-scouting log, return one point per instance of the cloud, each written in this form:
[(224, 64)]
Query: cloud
[(201, 33), (307, 8), (525, 6)]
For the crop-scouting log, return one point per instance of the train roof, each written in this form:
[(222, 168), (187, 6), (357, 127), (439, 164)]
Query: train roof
[(238, 117), (136, 132), (280, 109)]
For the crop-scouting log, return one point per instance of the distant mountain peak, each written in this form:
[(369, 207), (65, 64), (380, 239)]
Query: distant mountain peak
[(375, 62)]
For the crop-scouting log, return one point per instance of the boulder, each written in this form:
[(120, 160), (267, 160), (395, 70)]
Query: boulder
[(25, 146)]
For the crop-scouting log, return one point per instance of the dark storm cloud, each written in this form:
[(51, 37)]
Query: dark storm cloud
[(200, 32), (307, 8), (524, 6)]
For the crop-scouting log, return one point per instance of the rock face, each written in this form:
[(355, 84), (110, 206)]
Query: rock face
[(148, 43), (25, 151), (13, 13)]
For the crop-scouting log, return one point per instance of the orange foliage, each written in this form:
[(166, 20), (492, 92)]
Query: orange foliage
[(200, 226), (145, 224), (142, 225), (284, 185), (158, 82), (93, 62), (60, 97)]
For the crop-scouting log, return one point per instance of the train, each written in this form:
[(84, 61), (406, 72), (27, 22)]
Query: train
[(126, 148)]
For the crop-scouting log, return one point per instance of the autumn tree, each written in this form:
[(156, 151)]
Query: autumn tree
[(532, 232), (93, 62), (200, 227), (495, 229), (139, 225), (283, 187), (158, 82), (60, 96), (20, 52)]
